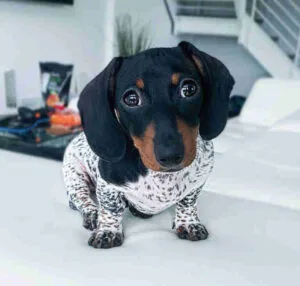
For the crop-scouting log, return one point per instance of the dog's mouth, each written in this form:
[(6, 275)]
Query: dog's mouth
[(165, 162), (172, 169), (158, 168)]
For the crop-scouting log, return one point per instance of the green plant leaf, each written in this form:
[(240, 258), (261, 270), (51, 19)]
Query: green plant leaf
[(131, 39)]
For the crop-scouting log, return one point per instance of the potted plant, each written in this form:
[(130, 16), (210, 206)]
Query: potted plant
[(131, 39)]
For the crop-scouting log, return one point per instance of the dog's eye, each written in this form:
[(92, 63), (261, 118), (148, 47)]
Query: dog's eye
[(131, 98), (188, 88)]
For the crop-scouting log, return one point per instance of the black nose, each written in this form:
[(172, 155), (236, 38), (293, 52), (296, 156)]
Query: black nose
[(168, 145), (170, 156), (171, 160)]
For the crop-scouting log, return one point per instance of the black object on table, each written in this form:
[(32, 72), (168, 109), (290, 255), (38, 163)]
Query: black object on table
[(48, 146), (236, 103)]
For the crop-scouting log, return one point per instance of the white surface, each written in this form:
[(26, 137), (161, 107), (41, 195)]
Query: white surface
[(271, 100), (265, 168), (32, 31), (207, 26), (109, 36), (263, 48), (73, 104), (42, 241), (235, 134)]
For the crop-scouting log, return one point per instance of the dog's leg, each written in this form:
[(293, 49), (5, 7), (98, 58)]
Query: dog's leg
[(79, 188), (109, 232), (187, 223)]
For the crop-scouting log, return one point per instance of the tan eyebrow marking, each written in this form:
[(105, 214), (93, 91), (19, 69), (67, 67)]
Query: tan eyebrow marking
[(198, 64), (145, 145), (175, 78), (140, 83)]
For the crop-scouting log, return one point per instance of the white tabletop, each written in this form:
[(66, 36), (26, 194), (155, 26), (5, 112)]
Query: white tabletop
[(263, 167), (42, 241)]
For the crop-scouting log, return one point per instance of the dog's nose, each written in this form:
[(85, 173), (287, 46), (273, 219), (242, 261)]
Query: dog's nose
[(170, 158), (168, 147)]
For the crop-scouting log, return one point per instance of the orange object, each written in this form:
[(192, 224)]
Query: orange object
[(58, 130), (37, 115), (52, 100), (65, 119)]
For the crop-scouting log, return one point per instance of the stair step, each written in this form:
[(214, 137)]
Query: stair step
[(218, 9), (207, 14), (222, 4)]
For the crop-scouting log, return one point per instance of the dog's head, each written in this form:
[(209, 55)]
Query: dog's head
[(158, 101)]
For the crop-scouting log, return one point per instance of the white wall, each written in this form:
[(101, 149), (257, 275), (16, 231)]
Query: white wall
[(33, 32)]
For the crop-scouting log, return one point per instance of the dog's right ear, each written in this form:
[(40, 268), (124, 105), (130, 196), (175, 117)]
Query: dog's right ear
[(218, 83), (100, 126)]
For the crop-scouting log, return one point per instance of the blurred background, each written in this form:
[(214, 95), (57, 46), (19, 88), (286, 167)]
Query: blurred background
[(246, 35)]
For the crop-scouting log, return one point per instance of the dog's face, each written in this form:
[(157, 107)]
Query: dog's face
[(158, 96), (158, 101)]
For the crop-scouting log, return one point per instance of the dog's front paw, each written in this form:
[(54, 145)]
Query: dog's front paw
[(106, 239), (192, 232), (90, 219)]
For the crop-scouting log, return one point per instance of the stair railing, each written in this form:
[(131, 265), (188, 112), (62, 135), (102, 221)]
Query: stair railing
[(261, 8)]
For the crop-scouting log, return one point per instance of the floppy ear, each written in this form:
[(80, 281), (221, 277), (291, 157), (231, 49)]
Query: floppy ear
[(217, 83), (100, 126)]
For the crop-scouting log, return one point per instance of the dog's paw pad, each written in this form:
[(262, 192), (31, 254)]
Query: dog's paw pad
[(90, 220), (192, 232), (106, 239)]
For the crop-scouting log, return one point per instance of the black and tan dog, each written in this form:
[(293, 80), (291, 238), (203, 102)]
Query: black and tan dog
[(148, 123)]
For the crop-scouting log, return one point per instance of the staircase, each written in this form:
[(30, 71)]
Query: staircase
[(205, 17), (268, 29)]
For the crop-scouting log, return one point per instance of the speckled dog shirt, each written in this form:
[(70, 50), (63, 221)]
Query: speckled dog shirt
[(151, 194)]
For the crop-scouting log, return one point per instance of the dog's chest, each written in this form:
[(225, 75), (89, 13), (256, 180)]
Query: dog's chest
[(158, 191)]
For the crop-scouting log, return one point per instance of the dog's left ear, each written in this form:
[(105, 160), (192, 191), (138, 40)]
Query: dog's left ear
[(217, 83), (100, 126)]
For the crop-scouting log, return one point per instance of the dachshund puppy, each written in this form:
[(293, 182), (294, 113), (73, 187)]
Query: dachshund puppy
[(148, 122)]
